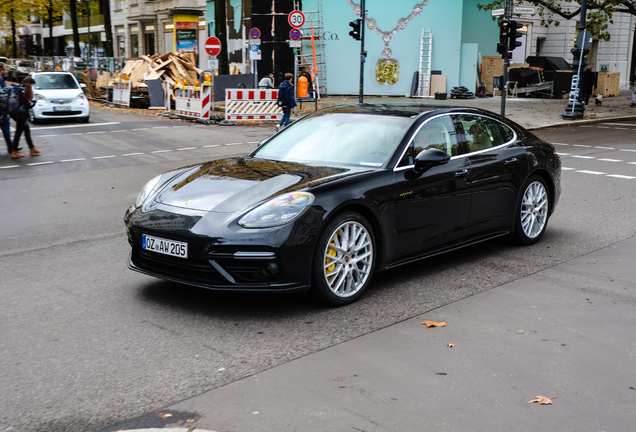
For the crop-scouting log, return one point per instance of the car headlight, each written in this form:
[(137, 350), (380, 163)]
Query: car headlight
[(80, 97), (146, 191), (278, 211), (39, 97)]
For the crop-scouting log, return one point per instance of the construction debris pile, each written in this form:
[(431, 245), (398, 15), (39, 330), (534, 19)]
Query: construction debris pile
[(169, 67)]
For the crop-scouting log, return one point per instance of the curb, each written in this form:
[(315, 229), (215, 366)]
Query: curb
[(582, 122), (168, 430)]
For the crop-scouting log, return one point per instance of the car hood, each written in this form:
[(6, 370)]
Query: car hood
[(53, 94), (231, 185)]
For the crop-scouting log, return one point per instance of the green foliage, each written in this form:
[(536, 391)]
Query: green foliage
[(599, 12)]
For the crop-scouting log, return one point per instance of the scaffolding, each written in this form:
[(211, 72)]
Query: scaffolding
[(312, 50)]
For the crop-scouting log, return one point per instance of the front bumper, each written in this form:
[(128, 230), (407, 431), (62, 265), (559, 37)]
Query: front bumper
[(47, 110)]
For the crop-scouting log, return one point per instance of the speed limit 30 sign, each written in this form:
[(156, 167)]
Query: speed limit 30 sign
[(296, 19)]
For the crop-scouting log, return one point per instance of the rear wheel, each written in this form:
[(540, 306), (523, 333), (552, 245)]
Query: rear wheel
[(345, 260), (532, 211)]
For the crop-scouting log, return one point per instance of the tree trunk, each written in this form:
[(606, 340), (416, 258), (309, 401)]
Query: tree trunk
[(220, 26), (104, 8), (50, 45), (73, 11), (15, 48)]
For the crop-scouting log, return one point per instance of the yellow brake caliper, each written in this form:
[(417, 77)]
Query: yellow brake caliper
[(331, 252)]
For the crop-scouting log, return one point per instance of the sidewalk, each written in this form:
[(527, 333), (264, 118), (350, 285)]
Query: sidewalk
[(532, 113), (566, 331)]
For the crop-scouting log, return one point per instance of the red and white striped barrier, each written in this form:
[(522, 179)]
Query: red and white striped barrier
[(121, 93), (193, 101), (246, 104)]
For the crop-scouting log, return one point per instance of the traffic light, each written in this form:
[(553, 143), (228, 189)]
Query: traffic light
[(514, 35), (504, 34), (355, 33)]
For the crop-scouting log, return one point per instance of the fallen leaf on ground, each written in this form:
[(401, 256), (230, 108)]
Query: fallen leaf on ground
[(190, 420), (451, 345), (543, 400), (434, 324), (520, 331), (164, 415), (111, 187)]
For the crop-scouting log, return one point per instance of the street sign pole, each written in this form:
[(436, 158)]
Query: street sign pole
[(576, 108), (362, 53), (507, 16)]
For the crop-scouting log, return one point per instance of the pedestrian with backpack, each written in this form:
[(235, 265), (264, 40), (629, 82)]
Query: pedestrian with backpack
[(286, 100), (4, 117), (20, 115)]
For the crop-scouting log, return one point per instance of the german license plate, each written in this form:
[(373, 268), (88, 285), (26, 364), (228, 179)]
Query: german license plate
[(164, 246), (61, 108)]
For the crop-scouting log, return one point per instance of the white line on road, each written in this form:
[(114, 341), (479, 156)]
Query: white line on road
[(605, 148), (231, 144), (560, 144), (253, 142), (160, 151), (213, 145), (120, 130), (140, 129), (567, 169), (622, 129), (621, 176), (186, 148), (46, 136), (89, 133), (611, 160), (40, 163), (602, 127), (632, 163), (73, 160), (619, 124), (580, 145), (583, 157), (133, 154), (104, 157), (629, 150), (161, 127), (74, 126), (590, 172), (9, 166), (564, 154)]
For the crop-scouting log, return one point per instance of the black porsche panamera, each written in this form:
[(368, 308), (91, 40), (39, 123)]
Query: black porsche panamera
[(342, 193)]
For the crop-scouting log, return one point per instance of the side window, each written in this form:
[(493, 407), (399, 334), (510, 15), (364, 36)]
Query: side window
[(483, 133), (437, 133)]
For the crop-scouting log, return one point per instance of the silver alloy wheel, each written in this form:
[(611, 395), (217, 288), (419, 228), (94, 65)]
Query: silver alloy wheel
[(534, 209), (348, 259)]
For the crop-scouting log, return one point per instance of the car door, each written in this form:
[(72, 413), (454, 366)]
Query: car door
[(497, 163), (432, 208)]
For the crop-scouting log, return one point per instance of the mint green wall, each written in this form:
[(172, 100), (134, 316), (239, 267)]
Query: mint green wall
[(478, 27), (468, 67), (343, 52)]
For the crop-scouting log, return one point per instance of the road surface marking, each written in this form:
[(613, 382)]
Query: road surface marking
[(9, 166), (580, 145), (213, 145), (104, 157), (619, 124), (602, 127), (97, 132), (621, 176), (611, 160), (583, 157), (186, 148), (160, 151), (40, 163), (231, 144), (591, 172), (605, 148), (560, 144), (140, 129), (564, 154), (133, 154), (567, 169), (73, 160), (629, 150), (74, 126)]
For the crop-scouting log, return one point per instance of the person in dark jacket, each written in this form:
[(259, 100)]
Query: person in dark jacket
[(22, 120), (286, 88), (587, 85), (4, 117)]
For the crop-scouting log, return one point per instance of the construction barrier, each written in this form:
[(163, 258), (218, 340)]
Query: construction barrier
[(121, 92), (245, 104), (193, 101)]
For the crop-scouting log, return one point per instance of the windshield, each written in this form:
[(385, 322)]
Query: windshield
[(338, 138), (54, 82)]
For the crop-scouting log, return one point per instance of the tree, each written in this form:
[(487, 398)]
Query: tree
[(599, 12)]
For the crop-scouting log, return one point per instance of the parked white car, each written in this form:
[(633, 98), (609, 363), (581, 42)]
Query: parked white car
[(58, 95)]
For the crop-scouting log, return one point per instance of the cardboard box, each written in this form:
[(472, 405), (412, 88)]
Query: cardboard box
[(490, 66), (438, 84), (608, 83)]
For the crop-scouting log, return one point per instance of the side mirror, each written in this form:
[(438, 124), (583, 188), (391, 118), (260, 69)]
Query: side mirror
[(429, 158), (82, 85)]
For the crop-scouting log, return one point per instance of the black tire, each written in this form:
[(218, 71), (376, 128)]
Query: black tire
[(85, 119), (532, 211), (342, 280)]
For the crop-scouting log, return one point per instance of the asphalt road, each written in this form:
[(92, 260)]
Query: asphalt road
[(86, 343)]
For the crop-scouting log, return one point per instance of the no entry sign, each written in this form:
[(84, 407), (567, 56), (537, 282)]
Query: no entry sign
[(213, 46), (296, 19)]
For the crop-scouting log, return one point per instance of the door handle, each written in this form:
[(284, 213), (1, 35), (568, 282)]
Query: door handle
[(461, 173), (510, 161)]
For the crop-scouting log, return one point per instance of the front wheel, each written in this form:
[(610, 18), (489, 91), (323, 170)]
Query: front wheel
[(532, 211), (344, 260)]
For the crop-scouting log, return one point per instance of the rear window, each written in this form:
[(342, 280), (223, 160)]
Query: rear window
[(54, 82)]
